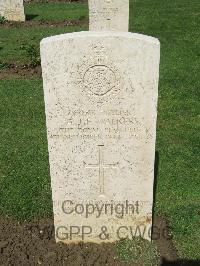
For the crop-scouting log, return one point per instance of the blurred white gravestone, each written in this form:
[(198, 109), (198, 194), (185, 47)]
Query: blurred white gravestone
[(110, 15), (101, 92), (12, 10)]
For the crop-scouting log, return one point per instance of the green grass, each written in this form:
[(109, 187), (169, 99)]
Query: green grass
[(175, 23), (24, 176), (12, 40), (56, 11), (178, 191), (139, 251)]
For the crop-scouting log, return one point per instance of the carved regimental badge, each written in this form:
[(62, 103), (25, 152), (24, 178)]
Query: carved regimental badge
[(99, 77)]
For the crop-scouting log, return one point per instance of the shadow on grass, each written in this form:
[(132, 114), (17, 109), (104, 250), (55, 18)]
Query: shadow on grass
[(181, 262), (168, 244), (30, 17), (156, 168)]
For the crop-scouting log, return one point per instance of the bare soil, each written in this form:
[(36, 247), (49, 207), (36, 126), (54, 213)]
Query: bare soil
[(32, 243), (20, 71), (44, 23)]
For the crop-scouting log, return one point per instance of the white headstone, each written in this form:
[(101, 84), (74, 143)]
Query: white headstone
[(12, 10), (110, 15), (101, 92)]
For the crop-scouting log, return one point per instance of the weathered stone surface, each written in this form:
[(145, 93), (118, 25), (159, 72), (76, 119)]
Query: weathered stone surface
[(110, 15), (12, 10), (100, 98)]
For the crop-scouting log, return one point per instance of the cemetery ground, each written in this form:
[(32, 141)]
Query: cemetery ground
[(25, 194)]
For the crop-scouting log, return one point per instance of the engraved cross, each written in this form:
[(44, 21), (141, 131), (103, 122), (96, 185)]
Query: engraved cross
[(101, 166)]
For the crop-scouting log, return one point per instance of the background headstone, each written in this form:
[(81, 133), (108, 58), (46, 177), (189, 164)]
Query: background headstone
[(101, 105), (110, 15), (12, 10)]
